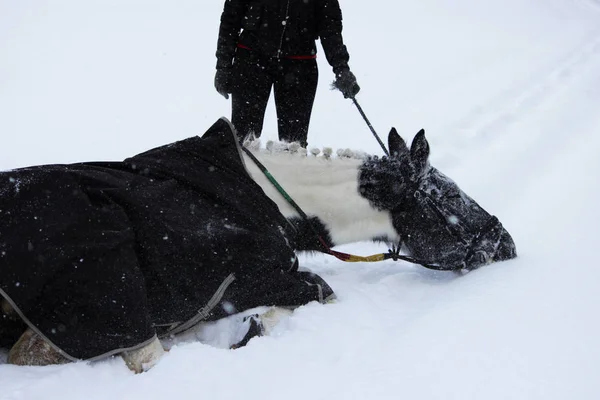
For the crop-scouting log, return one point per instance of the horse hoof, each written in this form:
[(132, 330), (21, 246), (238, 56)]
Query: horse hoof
[(144, 358), (32, 349)]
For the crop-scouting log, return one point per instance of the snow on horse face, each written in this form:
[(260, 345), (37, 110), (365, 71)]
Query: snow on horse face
[(437, 222), (181, 234)]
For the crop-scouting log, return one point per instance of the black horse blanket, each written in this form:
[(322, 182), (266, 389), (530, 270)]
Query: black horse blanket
[(101, 257)]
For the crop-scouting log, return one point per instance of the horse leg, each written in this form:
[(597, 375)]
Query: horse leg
[(272, 317), (262, 324), (144, 358), (32, 349)]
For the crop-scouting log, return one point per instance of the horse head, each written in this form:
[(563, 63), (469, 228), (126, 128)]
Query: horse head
[(437, 222)]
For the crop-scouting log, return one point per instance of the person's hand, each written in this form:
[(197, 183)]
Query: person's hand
[(345, 82), (223, 81)]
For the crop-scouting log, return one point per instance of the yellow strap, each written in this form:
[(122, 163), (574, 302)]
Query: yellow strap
[(353, 258)]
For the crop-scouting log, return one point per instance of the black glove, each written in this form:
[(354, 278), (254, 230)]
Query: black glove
[(223, 81), (345, 82)]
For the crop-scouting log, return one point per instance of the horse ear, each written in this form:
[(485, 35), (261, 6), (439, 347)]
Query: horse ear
[(419, 151), (396, 144)]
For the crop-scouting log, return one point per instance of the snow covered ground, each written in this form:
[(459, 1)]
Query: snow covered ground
[(509, 93)]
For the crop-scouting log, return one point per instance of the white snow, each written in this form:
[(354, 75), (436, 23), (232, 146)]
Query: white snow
[(509, 94)]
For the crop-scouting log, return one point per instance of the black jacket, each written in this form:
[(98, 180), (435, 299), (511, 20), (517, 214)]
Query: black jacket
[(282, 28)]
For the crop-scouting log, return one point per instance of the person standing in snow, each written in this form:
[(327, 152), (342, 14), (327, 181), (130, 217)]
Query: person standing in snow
[(271, 43)]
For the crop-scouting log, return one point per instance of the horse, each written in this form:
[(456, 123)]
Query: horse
[(108, 258)]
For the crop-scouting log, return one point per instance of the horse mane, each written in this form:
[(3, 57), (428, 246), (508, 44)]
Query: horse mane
[(274, 147)]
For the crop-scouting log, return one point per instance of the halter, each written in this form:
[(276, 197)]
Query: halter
[(490, 224)]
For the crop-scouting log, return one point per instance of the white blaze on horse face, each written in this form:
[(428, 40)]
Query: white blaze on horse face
[(326, 188)]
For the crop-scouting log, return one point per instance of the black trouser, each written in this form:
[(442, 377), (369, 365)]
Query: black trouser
[(295, 86)]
